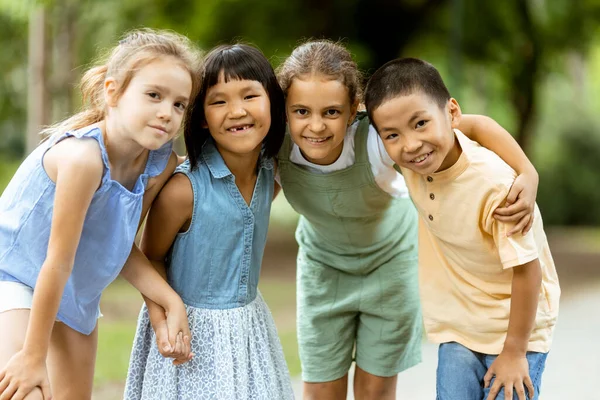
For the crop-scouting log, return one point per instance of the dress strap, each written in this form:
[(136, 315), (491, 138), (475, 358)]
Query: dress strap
[(361, 137)]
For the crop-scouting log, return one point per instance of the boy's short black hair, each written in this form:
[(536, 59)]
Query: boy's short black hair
[(402, 77), (237, 61)]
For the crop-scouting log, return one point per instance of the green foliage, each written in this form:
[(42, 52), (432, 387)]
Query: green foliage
[(17, 10), (289, 343), (13, 86), (7, 170), (114, 348), (481, 48), (568, 191)]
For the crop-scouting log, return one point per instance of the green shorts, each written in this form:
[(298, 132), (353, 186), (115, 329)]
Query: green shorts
[(375, 317)]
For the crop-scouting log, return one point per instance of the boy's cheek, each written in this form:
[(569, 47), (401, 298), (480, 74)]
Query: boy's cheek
[(395, 155)]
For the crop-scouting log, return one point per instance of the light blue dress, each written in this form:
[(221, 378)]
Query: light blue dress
[(109, 229), (215, 266)]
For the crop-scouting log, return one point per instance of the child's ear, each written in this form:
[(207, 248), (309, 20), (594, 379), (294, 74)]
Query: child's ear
[(455, 113), (353, 111), (110, 92)]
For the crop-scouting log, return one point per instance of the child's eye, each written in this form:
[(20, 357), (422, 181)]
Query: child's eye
[(421, 123), (154, 95), (217, 102), (391, 136), (301, 111), (332, 113), (250, 96), (180, 106)]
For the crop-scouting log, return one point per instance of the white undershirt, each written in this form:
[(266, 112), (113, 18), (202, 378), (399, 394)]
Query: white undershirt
[(382, 166)]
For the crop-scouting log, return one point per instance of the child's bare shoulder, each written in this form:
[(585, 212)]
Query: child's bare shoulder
[(84, 154), (177, 192)]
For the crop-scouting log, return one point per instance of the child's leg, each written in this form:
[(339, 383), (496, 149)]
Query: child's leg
[(368, 386), (327, 305), (390, 328), (332, 390), (460, 373), (71, 362), (537, 363), (11, 340)]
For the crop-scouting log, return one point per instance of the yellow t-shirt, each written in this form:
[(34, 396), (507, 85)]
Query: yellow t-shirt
[(465, 257)]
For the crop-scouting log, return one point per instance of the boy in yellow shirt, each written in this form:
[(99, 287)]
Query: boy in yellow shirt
[(490, 299)]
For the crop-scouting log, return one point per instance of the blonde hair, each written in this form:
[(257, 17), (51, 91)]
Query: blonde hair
[(136, 49), (323, 57)]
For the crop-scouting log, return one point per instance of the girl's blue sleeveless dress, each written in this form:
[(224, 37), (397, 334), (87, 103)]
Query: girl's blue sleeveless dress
[(215, 266)]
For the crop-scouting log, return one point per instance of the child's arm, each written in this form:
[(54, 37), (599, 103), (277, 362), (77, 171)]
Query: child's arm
[(147, 279), (171, 213), (77, 170), (150, 280), (521, 198), (511, 368)]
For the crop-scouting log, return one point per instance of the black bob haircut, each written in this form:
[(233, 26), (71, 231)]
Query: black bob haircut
[(237, 62)]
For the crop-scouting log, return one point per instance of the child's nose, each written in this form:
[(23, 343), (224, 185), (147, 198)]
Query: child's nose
[(411, 145), (237, 111), (165, 111), (316, 124)]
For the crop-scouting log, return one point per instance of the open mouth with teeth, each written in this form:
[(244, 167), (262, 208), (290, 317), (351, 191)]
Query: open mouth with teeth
[(240, 128), (312, 140), (421, 159)]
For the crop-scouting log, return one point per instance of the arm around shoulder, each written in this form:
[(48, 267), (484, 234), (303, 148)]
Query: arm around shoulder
[(491, 135), (522, 195)]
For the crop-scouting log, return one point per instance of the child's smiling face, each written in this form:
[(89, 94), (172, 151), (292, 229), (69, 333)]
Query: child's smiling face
[(238, 115), (319, 111), (417, 132)]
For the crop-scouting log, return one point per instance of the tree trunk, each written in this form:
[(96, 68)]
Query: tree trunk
[(526, 78), (37, 101), (63, 77)]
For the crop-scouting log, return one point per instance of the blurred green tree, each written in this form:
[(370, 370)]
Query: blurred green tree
[(513, 46), (522, 40)]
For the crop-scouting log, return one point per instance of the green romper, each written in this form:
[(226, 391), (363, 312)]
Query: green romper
[(356, 268)]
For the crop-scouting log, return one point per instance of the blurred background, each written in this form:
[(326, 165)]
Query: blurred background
[(532, 65)]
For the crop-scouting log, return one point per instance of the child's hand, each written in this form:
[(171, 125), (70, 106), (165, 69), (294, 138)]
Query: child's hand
[(520, 204), (22, 374), (162, 338), (511, 371), (179, 334)]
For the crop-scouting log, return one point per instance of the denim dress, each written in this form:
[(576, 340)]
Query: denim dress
[(108, 233), (214, 266)]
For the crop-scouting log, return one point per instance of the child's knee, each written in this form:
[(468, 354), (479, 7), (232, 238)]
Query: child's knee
[(460, 373), (455, 358)]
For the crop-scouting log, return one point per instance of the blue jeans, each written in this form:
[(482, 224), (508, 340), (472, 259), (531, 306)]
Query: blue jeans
[(460, 373)]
